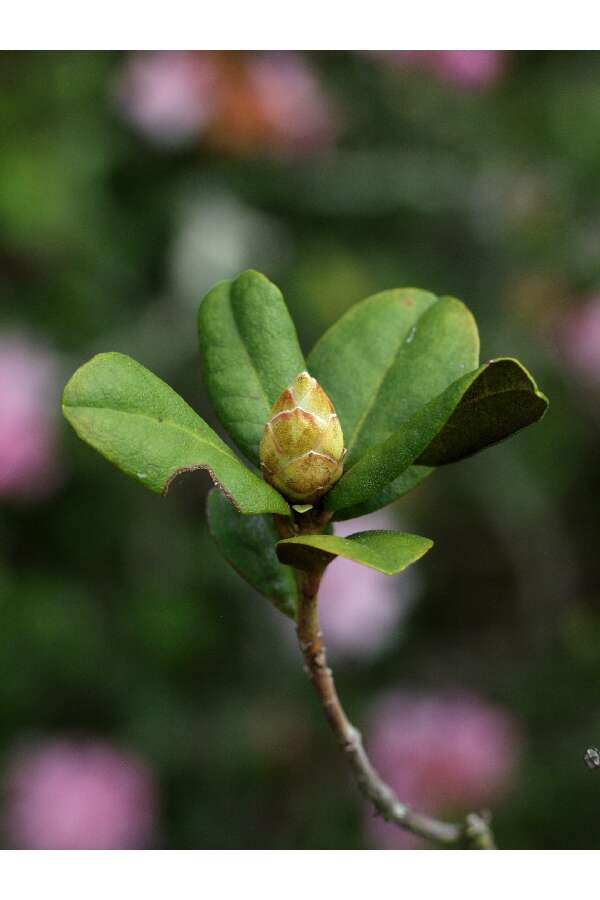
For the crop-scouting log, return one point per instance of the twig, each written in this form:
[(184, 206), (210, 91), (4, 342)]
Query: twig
[(473, 834)]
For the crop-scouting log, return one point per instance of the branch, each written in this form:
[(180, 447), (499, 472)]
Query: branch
[(473, 834)]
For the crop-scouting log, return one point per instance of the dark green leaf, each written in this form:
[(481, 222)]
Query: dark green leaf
[(248, 544), (502, 399), (387, 357), (142, 426), (387, 551), (250, 354), (405, 482), (477, 410)]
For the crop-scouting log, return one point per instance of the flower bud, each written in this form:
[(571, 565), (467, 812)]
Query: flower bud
[(302, 446)]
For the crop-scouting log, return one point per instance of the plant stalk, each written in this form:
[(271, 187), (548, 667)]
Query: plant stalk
[(473, 834)]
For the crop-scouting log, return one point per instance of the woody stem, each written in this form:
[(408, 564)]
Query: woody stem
[(474, 833)]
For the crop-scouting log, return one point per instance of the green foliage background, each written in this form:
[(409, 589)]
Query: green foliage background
[(119, 619)]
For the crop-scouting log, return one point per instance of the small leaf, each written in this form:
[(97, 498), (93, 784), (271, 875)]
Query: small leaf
[(387, 551), (142, 426), (248, 544), (250, 354), (302, 507), (387, 357), (477, 410)]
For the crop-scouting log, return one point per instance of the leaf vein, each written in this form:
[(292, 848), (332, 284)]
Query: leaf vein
[(224, 449), (373, 402)]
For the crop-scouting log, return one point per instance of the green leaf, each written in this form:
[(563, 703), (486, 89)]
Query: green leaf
[(409, 479), (142, 426), (476, 411), (250, 354), (502, 399), (387, 551), (248, 544), (387, 357)]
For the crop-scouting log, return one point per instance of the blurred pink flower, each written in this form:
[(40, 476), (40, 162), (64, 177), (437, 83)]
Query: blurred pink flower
[(361, 610), (241, 103), (441, 753), (477, 69), (28, 403), (167, 95), (580, 340), (65, 795), (470, 68), (293, 105)]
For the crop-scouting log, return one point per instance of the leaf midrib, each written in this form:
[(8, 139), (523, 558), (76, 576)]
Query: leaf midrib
[(376, 393), (224, 450), (253, 365)]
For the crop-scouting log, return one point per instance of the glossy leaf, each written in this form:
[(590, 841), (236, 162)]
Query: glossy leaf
[(248, 544), (142, 426), (387, 551), (474, 412), (387, 357), (250, 354)]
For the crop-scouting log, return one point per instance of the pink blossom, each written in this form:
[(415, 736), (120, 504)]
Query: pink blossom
[(64, 795), (362, 610), (241, 103), (470, 68), (167, 95), (292, 103), (580, 340), (29, 400), (477, 69), (441, 754)]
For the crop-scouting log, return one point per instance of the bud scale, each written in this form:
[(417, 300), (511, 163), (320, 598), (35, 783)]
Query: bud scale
[(302, 446)]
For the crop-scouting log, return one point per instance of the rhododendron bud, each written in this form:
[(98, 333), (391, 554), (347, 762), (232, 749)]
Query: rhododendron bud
[(302, 447)]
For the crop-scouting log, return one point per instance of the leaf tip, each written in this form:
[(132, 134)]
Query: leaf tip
[(251, 274)]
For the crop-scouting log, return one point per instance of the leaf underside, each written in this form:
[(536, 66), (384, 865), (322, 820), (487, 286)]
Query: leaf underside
[(250, 354), (476, 411), (248, 544), (148, 431), (387, 551)]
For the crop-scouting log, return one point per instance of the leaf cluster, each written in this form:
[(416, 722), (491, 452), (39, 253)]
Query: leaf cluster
[(402, 369)]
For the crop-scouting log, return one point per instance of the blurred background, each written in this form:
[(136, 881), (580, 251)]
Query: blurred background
[(148, 698)]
